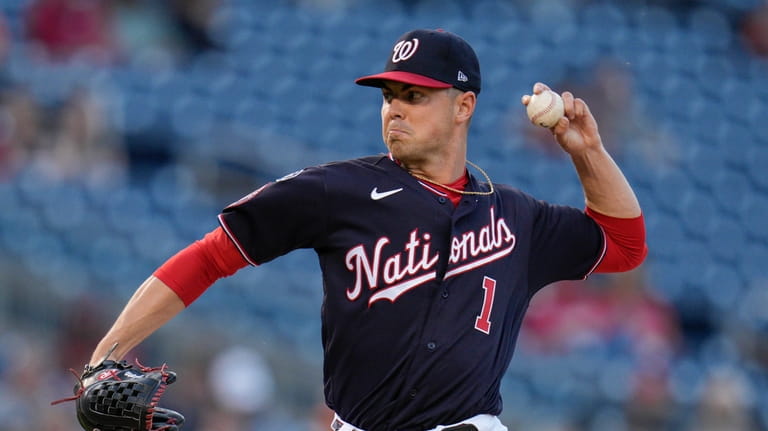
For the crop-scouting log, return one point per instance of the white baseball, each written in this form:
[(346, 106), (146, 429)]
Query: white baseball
[(545, 109)]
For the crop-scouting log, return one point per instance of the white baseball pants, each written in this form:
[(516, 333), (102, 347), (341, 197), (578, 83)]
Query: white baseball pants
[(482, 422)]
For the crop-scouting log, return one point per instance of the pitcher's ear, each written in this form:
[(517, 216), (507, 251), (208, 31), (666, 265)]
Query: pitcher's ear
[(465, 105)]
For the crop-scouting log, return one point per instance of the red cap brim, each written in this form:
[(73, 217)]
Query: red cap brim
[(400, 76)]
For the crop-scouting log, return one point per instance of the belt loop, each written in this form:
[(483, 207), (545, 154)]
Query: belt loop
[(338, 424)]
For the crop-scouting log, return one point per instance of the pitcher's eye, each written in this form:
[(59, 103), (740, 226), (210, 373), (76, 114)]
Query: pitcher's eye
[(414, 96)]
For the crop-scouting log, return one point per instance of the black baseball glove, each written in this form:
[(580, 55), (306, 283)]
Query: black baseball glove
[(117, 396)]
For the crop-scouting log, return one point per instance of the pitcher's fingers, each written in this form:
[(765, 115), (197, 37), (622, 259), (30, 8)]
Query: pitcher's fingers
[(568, 104), (540, 87), (580, 107), (561, 127)]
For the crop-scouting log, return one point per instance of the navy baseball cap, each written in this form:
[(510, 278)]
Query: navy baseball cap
[(430, 58)]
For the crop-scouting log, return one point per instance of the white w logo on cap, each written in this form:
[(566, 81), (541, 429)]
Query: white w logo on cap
[(405, 49)]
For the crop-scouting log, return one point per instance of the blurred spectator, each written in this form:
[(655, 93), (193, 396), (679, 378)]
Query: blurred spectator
[(144, 32), (650, 405), (243, 389), (618, 314), (754, 30), (192, 19), (20, 130), (79, 328), (5, 38), (615, 310), (67, 28), (726, 403), (162, 33), (28, 382), (80, 144)]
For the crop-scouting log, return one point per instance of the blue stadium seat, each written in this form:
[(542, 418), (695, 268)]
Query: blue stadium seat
[(752, 257), (757, 160), (20, 226), (548, 176), (702, 161), (112, 260), (722, 284), (684, 53), (542, 15), (751, 312), (582, 53), (654, 25), (686, 376), (226, 91), (158, 241), (65, 207), (191, 116), (666, 277), (646, 66), (669, 188), (729, 187), (140, 113), (194, 221), (254, 113), (753, 215), (712, 27), (694, 256), (708, 119), (127, 211), (756, 71), (712, 71), (497, 12), (232, 25), (681, 97), (438, 11), (735, 142), (9, 202), (726, 238), (666, 233), (603, 15)]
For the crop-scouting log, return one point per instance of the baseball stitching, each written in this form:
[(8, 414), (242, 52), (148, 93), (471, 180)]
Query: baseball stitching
[(544, 111)]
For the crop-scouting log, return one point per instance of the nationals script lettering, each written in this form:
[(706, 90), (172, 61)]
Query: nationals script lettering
[(402, 270)]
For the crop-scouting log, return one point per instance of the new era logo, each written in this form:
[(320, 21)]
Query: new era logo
[(462, 77)]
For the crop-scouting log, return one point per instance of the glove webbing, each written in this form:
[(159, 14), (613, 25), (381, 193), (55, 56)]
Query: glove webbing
[(128, 388)]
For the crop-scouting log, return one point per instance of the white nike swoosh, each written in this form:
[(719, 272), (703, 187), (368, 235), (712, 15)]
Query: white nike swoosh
[(375, 195)]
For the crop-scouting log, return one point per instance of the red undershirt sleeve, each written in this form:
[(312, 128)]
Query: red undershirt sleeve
[(625, 242), (191, 271)]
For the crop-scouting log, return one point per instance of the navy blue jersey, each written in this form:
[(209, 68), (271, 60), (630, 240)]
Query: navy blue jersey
[(422, 301)]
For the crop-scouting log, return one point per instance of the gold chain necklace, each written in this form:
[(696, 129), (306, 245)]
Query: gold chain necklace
[(461, 192)]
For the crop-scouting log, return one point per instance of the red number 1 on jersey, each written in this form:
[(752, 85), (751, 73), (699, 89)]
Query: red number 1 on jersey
[(483, 321)]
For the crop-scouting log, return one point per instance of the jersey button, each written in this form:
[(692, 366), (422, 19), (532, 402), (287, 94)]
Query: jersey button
[(445, 294), (442, 199), (412, 394), (431, 345)]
